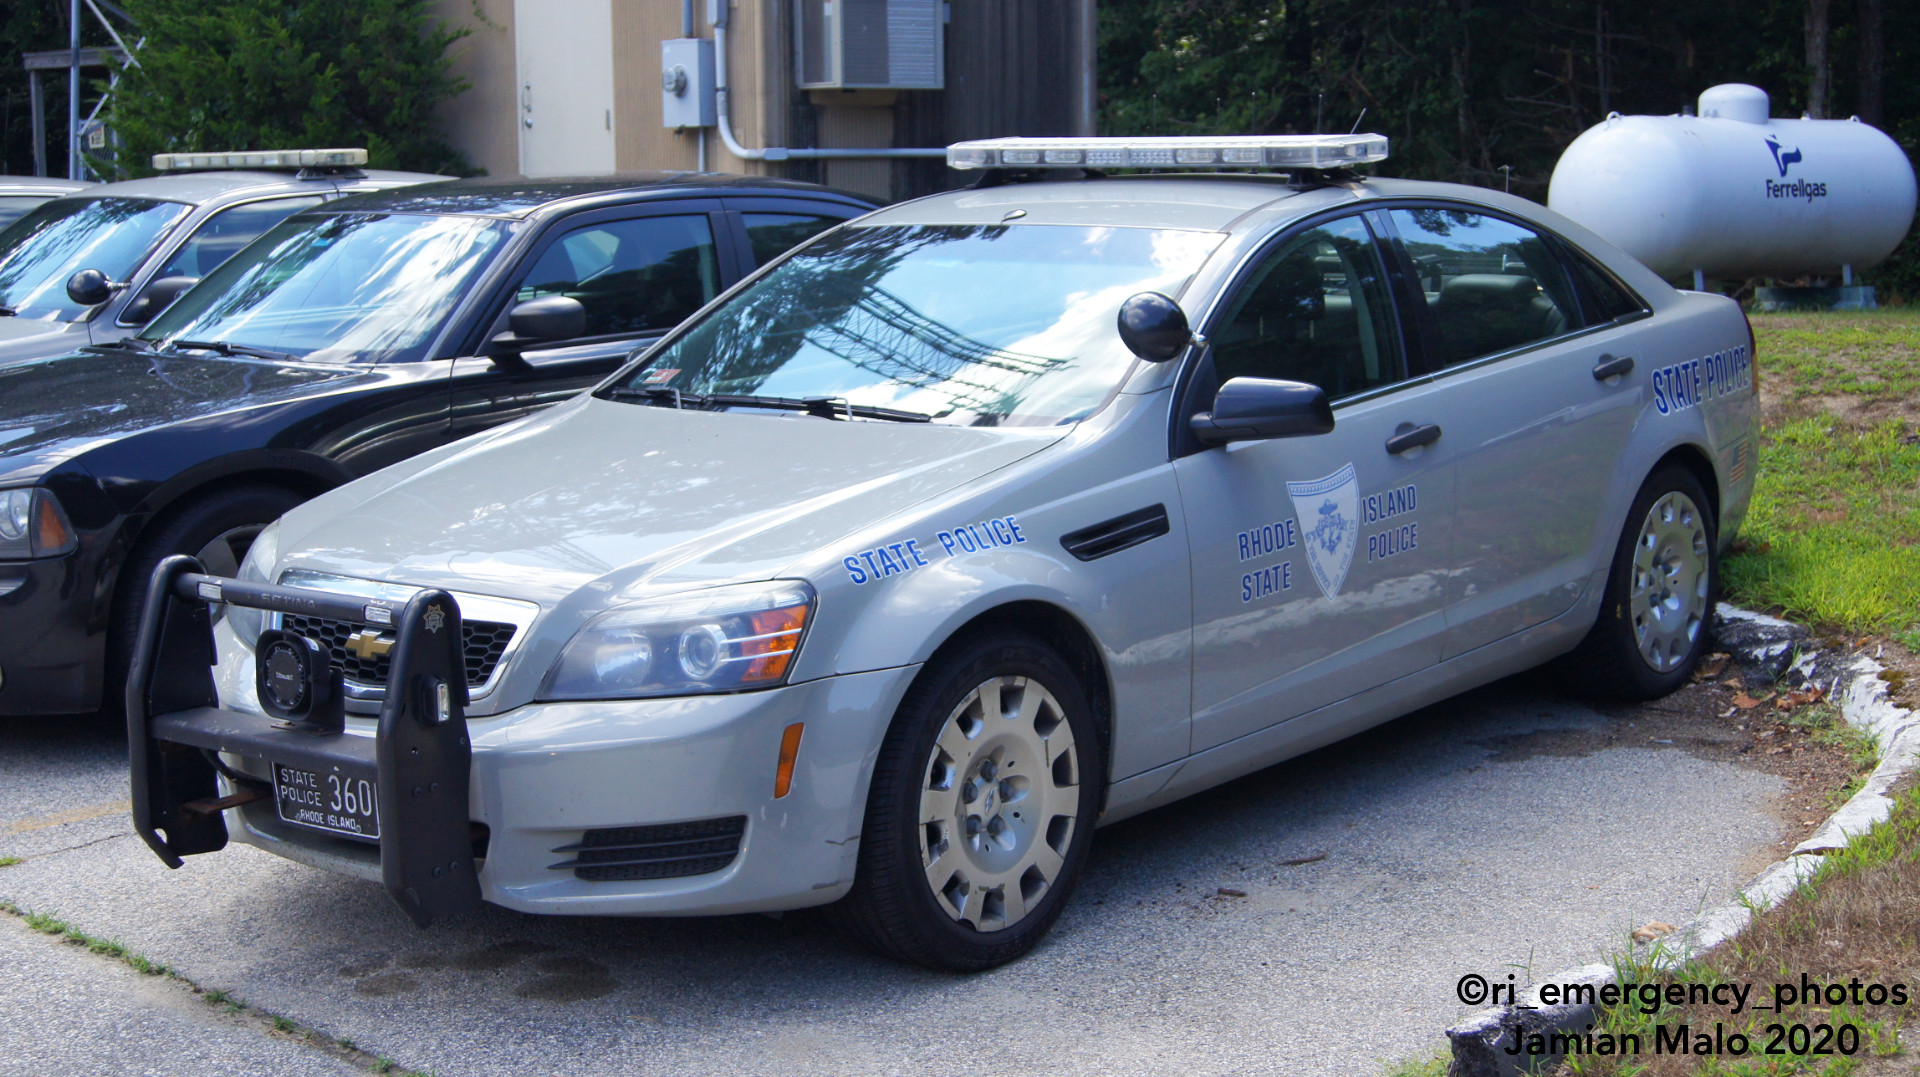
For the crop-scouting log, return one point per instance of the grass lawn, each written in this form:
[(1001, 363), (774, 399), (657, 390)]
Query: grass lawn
[(1833, 536)]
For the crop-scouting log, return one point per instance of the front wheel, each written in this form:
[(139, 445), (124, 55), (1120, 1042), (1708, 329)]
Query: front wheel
[(1652, 627), (981, 808)]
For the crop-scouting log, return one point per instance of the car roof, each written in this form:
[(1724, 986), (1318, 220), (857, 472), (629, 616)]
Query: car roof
[(523, 196), (20, 185), (1210, 202), (197, 188)]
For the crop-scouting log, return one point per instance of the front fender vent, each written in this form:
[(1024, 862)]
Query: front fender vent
[(666, 851), (1119, 533)]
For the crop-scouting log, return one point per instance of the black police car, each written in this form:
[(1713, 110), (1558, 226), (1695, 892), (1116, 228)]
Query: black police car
[(344, 339)]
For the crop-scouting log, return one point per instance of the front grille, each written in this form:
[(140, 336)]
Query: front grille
[(666, 851), (484, 643)]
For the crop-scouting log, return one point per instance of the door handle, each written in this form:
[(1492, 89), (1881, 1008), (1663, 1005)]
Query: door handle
[(1426, 434), (1611, 366)]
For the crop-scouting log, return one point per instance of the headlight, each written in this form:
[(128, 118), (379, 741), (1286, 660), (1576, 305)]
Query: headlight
[(246, 622), (722, 640), (32, 525)]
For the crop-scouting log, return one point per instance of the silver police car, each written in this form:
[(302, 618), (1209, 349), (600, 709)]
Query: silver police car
[(96, 264), (972, 525)]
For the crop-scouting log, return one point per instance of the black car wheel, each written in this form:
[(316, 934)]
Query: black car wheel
[(981, 809), (1660, 593), (217, 528)]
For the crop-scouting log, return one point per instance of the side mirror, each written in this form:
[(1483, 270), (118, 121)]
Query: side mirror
[(1154, 327), (158, 297), (1255, 409), (90, 288), (543, 320)]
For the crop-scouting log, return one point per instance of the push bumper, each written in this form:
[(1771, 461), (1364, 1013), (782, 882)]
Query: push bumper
[(631, 807)]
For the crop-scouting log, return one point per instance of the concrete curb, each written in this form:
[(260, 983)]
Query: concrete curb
[(1773, 649)]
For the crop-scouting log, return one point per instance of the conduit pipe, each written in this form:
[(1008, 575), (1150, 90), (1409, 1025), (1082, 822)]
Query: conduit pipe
[(724, 119)]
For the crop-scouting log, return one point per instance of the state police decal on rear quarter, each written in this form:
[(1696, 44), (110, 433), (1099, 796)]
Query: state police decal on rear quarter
[(1329, 512)]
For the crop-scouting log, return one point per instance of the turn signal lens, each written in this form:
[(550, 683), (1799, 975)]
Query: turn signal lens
[(51, 534), (789, 751), (776, 635)]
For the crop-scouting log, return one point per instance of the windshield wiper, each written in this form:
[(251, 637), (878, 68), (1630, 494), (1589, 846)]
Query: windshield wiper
[(137, 344), (7, 312), (223, 348), (825, 407)]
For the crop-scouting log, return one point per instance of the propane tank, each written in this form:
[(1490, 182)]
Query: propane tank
[(1733, 192)]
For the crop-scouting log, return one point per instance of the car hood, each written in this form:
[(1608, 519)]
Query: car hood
[(22, 339), (632, 497), (54, 409)]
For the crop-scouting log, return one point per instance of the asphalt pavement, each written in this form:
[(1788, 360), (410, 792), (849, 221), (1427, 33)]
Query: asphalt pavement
[(1375, 873)]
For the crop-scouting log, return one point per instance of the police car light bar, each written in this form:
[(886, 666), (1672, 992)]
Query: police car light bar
[(196, 162), (1253, 151)]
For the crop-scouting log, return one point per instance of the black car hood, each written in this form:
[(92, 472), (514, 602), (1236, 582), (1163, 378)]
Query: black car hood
[(55, 409)]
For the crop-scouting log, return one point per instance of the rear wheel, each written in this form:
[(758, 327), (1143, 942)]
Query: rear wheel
[(981, 808), (1652, 627), (217, 528)]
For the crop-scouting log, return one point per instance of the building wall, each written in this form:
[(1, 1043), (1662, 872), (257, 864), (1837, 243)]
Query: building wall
[(1013, 67)]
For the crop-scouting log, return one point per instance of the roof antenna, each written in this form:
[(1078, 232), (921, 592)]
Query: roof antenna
[(1357, 119), (1507, 172), (1317, 110)]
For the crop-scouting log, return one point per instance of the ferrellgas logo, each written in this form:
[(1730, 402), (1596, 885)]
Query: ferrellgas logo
[(1784, 159)]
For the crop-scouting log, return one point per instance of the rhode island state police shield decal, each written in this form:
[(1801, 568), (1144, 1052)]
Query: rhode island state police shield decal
[(1329, 513)]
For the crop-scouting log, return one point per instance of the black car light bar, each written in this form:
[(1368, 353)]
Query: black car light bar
[(420, 758)]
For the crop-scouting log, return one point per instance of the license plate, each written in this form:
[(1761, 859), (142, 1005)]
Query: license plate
[(331, 800)]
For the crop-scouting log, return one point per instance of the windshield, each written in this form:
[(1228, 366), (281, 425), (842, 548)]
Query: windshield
[(979, 325), (371, 287), (41, 250)]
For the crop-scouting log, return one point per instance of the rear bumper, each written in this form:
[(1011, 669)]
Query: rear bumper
[(547, 774)]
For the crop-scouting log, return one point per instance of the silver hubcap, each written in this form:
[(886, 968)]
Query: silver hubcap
[(999, 803), (1669, 599)]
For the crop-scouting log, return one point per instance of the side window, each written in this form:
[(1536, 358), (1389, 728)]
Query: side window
[(1317, 311), (774, 234), (1491, 284), (641, 275), (1605, 297), (224, 233)]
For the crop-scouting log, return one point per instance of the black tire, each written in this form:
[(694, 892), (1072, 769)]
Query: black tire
[(1610, 662), (894, 906), (229, 517)]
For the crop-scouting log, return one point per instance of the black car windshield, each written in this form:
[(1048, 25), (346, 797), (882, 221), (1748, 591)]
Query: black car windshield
[(337, 288), (982, 325), (41, 250)]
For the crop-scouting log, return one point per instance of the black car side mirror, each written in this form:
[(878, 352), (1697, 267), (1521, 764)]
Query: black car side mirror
[(542, 321), (158, 296), (90, 287), (1154, 327), (1255, 409)]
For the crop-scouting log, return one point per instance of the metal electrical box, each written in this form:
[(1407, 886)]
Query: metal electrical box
[(870, 44), (686, 82)]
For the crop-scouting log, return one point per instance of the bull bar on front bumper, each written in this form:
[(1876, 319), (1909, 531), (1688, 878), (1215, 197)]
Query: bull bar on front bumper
[(419, 760)]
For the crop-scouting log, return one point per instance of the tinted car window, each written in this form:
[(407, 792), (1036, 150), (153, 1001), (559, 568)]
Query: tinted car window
[(342, 288), (774, 234), (633, 276), (1319, 311), (41, 250), (1491, 284), (981, 325), (1607, 297), (223, 234), (13, 207)]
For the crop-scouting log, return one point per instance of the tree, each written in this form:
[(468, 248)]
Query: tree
[(262, 74)]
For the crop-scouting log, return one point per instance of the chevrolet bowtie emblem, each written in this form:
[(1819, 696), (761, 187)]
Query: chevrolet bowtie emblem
[(368, 644)]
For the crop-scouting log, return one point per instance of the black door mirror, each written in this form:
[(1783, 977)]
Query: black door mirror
[(542, 321), (90, 288), (1254, 409), (158, 297), (1154, 327)]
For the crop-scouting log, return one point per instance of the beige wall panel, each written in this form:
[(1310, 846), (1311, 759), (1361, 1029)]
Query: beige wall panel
[(480, 122), (858, 126), (641, 139)]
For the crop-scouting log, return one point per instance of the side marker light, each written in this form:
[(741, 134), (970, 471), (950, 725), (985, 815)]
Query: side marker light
[(789, 751)]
